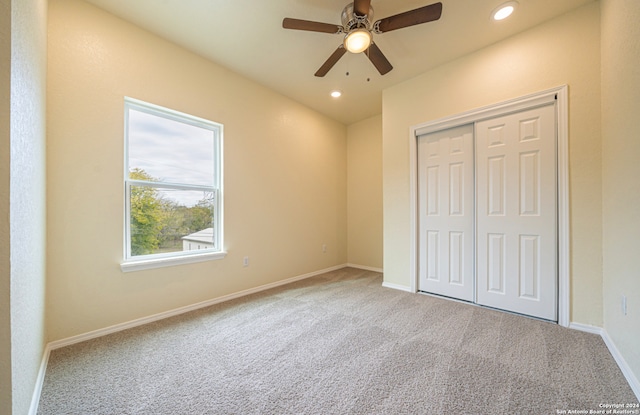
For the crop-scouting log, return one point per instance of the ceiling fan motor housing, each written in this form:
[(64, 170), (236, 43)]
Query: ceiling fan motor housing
[(352, 21)]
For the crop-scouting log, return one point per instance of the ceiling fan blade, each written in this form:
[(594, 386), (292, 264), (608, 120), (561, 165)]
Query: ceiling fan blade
[(411, 18), (361, 7), (333, 59), (310, 26), (378, 59)]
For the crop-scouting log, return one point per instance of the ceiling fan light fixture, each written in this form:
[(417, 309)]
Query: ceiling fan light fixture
[(504, 10), (357, 40)]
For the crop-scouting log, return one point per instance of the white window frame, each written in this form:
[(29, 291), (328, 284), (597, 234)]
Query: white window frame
[(142, 262)]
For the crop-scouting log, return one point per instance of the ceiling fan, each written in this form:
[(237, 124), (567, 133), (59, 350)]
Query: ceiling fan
[(358, 31)]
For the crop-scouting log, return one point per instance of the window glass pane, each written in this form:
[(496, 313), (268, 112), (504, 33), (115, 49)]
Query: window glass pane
[(166, 220), (170, 151)]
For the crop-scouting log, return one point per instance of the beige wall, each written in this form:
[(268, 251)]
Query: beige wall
[(364, 200), (565, 50), (621, 173), (23, 220), (285, 174)]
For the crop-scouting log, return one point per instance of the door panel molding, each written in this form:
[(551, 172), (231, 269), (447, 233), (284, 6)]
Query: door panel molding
[(560, 96), (511, 203), (447, 213)]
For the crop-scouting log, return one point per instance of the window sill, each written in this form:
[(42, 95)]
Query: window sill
[(140, 265)]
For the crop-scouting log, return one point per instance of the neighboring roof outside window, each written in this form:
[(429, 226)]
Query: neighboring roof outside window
[(205, 235)]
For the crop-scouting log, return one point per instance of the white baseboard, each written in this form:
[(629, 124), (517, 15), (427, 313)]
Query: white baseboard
[(175, 312), (622, 364), (145, 320), (624, 367), (586, 328), (365, 267), (37, 391), (397, 287)]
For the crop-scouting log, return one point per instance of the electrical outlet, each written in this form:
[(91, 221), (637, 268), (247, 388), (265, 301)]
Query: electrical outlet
[(245, 261), (624, 305), (324, 248)]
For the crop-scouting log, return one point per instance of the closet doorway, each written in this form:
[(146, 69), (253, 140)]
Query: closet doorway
[(487, 209)]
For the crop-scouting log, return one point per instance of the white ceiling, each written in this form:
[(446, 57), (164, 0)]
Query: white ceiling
[(247, 37)]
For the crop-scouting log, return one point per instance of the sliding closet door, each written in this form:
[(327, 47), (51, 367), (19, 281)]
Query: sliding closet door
[(516, 213), (446, 212)]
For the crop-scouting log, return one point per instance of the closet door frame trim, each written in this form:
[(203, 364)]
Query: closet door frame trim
[(560, 95)]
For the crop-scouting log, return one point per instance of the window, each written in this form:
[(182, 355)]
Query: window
[(173, 178)]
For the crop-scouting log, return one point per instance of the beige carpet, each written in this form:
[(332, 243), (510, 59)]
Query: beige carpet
[(337, 343)]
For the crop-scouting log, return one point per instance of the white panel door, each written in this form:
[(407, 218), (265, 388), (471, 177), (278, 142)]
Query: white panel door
[(446, 213), (516, 212)]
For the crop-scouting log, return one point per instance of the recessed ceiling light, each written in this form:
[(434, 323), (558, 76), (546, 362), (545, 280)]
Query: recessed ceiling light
[(504, 10), (336, 93)]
